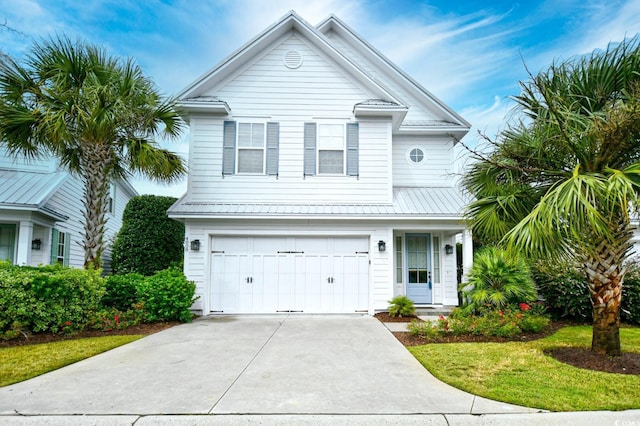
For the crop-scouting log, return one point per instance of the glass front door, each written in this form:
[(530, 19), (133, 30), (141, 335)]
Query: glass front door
[(7, 241), (418, 270)]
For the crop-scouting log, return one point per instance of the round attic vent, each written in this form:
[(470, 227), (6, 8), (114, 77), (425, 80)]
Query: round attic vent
[(292, 59)]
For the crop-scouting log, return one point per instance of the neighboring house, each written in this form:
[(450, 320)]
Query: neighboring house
[(41, 213), (320, 179)]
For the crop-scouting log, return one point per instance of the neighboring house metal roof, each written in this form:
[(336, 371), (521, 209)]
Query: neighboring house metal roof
[(24, 190), (425, 203)]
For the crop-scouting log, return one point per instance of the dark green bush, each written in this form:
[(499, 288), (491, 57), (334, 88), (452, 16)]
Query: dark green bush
[(47, 299), (122, 291), (148, 241), (564, 290), (631, 295), (167, 296)]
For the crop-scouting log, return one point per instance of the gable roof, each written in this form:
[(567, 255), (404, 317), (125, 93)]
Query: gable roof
[(196, 97), (451, 120), (30, 191)]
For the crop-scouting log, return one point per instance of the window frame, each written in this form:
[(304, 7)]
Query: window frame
[(343, 125), (416, 163), (238, 148)]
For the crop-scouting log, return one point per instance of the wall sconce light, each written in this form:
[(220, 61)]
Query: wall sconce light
[(195, 245), (448, 249), (382, 246), (36, 244)]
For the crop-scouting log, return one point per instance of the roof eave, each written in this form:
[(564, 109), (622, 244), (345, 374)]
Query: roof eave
[(456, 132), (190, 107), (397, 113)]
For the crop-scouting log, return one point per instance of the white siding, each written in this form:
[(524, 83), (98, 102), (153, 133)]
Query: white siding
[(436, 169), (68, 201), (267, 90), (207, 184)]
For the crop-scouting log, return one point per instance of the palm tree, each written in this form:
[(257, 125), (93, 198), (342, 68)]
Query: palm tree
[(564, 181), (99, 115)]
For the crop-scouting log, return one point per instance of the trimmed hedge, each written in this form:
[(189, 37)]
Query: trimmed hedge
[(61, 299), (148, 241), (47, 299)]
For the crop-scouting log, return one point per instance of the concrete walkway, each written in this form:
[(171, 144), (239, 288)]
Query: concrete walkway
[(262, 369)]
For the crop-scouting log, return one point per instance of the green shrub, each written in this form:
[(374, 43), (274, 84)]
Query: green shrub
[(401, 306), (496, 323), (167, 296), (497, 279), (121, 291), (49, 298), (114, 319), (564, 289), (148, 241), (631, 295)]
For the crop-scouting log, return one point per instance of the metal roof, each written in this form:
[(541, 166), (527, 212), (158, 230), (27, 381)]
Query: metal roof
[(426, 203), (29, 190)]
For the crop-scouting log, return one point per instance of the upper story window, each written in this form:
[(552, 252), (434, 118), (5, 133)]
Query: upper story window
[(250, 148), (415, 156), (331, 149), (251, 145)]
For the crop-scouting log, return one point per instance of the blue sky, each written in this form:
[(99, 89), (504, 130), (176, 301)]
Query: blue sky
[(470, 54)]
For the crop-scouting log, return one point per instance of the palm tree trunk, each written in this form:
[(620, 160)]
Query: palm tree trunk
[(605, 275), (95, 171)]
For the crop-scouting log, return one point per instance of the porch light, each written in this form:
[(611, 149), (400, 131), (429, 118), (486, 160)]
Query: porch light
[(448, 249), (36, 244), (195, 245), (382, 246)]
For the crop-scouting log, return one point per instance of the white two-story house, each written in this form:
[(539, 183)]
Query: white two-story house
[(320, 179), (41, 213)]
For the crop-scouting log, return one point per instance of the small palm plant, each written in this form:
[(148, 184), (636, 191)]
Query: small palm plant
[(497, 279), (401, 306)]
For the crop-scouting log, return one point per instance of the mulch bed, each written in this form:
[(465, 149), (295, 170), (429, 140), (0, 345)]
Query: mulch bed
[(32, 339), (627, 363)]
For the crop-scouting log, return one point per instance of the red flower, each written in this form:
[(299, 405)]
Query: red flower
[(524, 307), (116, 318), (66, 324)]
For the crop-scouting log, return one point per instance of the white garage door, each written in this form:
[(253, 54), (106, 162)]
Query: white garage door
[(289, 274)]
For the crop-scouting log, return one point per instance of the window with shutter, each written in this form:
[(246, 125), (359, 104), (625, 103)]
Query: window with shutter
[(331, 149), (60, 247), (250, 148)]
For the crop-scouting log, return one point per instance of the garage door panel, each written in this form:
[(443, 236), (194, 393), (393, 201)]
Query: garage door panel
[(313, 274)]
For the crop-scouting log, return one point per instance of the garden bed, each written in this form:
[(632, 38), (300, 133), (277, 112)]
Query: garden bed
[(36, 338)]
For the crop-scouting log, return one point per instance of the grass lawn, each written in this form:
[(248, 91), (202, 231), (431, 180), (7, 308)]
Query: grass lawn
[(520, 373), (24, 362)]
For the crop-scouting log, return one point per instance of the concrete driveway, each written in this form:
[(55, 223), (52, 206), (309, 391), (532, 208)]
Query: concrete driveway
[(343, 367)]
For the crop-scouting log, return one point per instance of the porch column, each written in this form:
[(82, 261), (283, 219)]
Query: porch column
[(23, 253), (467, 253)]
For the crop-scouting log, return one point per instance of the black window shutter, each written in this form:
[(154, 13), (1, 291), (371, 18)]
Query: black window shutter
[(229, 148), (309, 149)]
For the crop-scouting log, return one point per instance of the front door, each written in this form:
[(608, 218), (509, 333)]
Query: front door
[(7, 241), (418, 272)]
